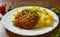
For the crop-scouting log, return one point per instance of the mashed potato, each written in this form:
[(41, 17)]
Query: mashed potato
[(45, 19)]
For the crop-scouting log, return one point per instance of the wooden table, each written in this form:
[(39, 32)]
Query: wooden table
[(42, 3)]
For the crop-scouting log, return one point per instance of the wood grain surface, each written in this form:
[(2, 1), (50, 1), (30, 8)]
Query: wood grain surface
[(42, 3)]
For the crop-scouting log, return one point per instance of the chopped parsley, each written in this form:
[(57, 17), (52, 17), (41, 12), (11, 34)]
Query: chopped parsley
[(34, 16)]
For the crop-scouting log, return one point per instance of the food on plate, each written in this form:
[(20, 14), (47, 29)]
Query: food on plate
[(55, 10), (32, 18), (26, 19)]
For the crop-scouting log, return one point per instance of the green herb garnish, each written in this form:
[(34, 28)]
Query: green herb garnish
[(57, 34), (55, 10), (0, 18), (34, 16), (9, 8)]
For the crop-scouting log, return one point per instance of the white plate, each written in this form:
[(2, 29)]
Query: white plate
[(7, 22)]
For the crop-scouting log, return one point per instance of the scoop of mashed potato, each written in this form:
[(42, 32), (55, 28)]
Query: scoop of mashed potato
[(45, 19)]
